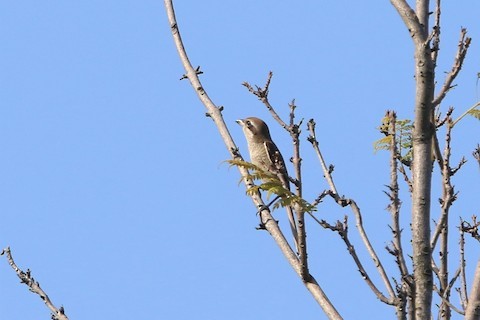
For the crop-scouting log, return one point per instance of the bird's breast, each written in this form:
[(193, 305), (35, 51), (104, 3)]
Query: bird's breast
[(259, 156)]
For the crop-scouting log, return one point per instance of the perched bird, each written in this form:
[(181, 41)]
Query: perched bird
[(265, 155)]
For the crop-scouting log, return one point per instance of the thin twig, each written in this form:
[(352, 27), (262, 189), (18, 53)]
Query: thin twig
[(448, 193), (476, 154), (262, 94), (395, 202), (353, 206), (465, 113), (405, 289), (463, 45), (327, 172), (342, 229), (448, 303), (463, 278), (436, 32), (34, 286)]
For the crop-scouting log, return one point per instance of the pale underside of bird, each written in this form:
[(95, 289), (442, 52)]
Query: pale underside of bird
[(265, 154)]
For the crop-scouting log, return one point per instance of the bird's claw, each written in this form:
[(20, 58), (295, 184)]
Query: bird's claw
[(261, 208)]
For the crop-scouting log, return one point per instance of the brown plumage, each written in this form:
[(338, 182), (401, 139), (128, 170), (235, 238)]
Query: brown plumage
[(265, 155)]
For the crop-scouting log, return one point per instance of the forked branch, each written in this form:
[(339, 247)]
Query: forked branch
[(463, 45), (327, 172), (267, 220)]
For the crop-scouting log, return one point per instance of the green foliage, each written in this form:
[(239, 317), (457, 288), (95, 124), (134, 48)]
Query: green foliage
[(475, 113), (272, 185), (403, 138)]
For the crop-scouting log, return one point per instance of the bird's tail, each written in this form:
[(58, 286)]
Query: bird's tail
[(293, 226)]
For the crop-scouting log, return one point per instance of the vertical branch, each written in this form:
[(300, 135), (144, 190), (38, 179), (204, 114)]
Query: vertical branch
[(423, 13), (417, 23), (436, 32), (448, 196), (422, 178), (463, 277), (395, 200), (394, 208), (294, 131), (473, 307)]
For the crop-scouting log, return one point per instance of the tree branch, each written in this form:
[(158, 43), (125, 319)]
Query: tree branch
[(422, 138), (473, 306), (26, 278), (267, 219), (300, 234), (463, 278), (327, 172), (463, 45), (342, 230), (395, 203), (465, 113), (411, 20)]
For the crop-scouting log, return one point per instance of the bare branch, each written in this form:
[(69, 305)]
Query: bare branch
[(473, 306), (471, 228), (405, 288), (463, 278), (395, 202), (448, 192), (448, 303), (411, 20), (417, 24), (342, 230), (435, 35), (262, 94), (463, 45), (266, 218), (327, 172), (465, 113), (476, 154), (34, 286), (402, 170), (366, 241), (348, 202)]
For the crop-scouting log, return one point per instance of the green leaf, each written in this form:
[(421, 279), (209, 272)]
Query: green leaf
[(272, 185), (475, 113), (403, 138)]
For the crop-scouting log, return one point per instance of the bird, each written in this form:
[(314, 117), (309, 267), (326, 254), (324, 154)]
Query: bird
[(265, 154)]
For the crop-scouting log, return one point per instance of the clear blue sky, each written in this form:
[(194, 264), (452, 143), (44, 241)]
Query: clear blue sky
[(113, 191)]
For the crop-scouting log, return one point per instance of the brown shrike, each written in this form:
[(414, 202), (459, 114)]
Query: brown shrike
[(265, 155)]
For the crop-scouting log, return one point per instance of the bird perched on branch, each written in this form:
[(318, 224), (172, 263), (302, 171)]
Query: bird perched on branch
[(265, 155)]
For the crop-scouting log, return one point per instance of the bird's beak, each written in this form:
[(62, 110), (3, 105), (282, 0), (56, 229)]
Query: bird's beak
[(239, 121)]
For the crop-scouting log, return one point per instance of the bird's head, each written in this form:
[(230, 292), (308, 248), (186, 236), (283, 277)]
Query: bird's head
[(255, 129)]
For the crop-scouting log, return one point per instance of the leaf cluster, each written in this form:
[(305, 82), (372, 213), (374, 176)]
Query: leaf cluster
[(402, 132), (475, 113), (270, 183)]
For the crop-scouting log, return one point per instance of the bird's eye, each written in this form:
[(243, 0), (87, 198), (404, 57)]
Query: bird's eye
[(248, 123)]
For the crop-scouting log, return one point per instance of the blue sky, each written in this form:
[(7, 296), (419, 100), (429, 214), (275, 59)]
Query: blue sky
[(113, 188)]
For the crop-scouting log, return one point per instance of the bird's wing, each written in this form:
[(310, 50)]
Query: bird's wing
[(277, 163), (278, 167)]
